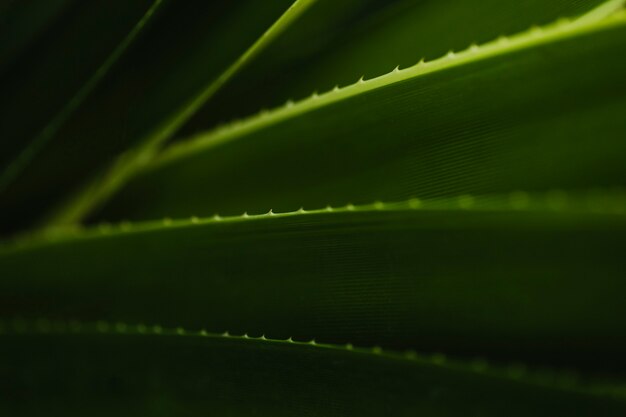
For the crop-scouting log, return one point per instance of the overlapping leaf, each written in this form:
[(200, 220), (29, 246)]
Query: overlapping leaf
[(465, 265), (400, 33), (142, 101), (537, 111), (542, 284), (125, 370)]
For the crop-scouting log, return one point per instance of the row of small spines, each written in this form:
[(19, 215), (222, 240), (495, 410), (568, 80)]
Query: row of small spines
[(532, 35), (563, 379), (599, 201)]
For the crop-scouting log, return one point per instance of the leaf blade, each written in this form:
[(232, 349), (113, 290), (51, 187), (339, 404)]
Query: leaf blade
[(100, 190), (398, 34), (519, 287), (175, 370), (428, 131)]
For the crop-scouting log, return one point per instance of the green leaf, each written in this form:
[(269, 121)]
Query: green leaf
[(398, 34), (268, 82), (67, 368), (147, 97), (148, 145), (535, 111), (419, 280), (538, 279), (429, 29), (49, 81)]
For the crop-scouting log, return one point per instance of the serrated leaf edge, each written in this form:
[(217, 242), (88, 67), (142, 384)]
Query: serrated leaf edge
[(564, 380), (594, 201), (535, 36)]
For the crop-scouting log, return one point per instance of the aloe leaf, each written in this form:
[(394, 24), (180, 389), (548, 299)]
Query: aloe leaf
[(156, 134), (397, 35), (147, 96), (50, 79), (489, 119), (68, 367), (430, 29), (538, 279), (267, 82)]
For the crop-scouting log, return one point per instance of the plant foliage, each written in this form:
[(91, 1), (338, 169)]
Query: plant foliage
[(313, 208)]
